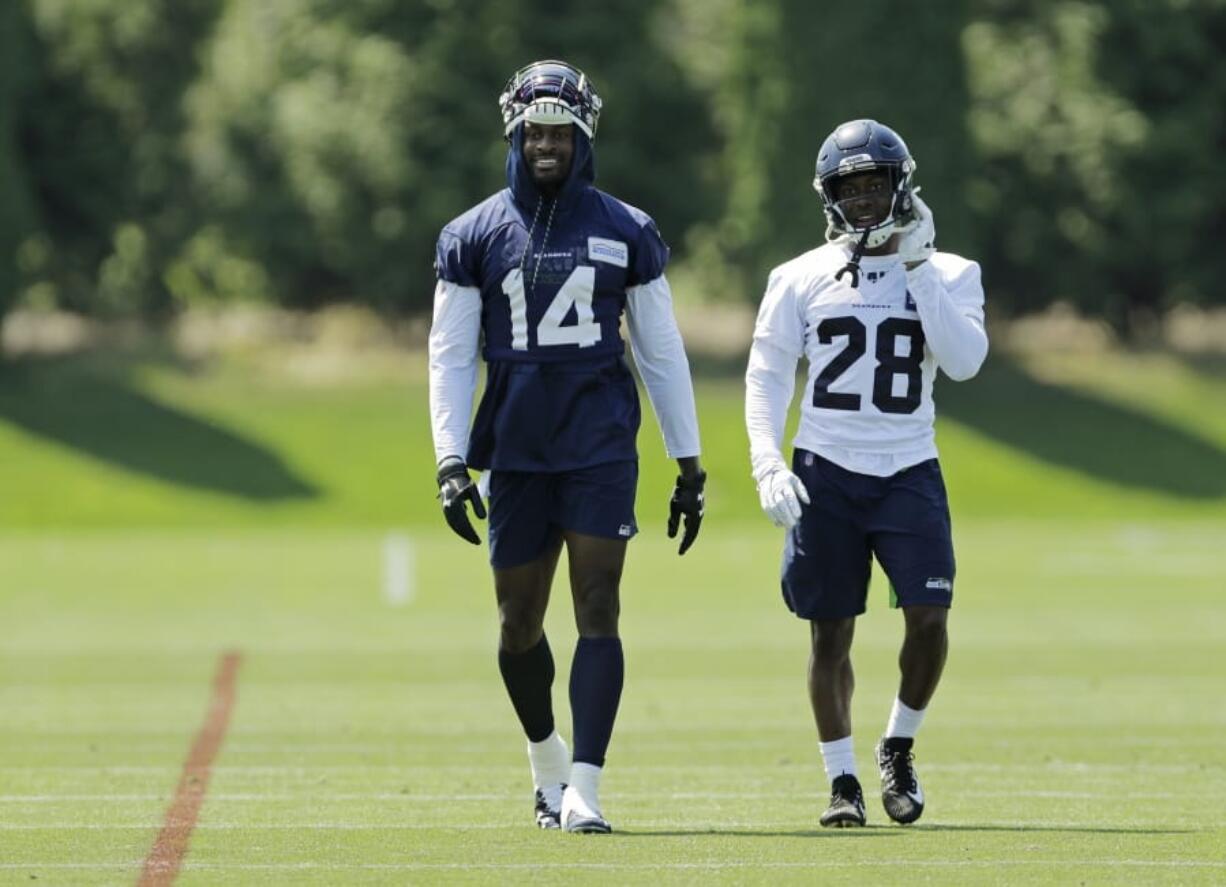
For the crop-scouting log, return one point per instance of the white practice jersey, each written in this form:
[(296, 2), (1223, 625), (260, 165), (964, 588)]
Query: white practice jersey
[(872, 352)]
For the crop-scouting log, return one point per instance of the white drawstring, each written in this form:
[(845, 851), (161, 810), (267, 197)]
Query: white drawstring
[(523, 260), (544, 243)]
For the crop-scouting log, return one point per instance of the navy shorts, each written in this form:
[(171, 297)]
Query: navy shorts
[(529, 510), (902, 519)]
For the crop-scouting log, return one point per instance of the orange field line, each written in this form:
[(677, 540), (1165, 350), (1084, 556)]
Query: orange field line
[(162, 864)]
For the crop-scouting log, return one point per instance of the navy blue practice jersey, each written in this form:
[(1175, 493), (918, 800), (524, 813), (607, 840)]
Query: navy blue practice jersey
[(559, 300), (552, 276)]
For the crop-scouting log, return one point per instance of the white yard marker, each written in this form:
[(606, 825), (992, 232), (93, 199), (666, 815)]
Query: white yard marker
[(398, 569)]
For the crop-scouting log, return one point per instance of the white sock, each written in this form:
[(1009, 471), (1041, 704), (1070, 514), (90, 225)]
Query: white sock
[(839, 757), (904, 720), (550, 760), (585, 781)]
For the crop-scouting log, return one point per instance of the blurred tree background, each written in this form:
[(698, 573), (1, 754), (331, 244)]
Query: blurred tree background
[(159, 154)]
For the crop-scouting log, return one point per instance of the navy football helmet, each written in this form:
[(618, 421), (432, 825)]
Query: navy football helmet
[(865, 146), (550, 92)]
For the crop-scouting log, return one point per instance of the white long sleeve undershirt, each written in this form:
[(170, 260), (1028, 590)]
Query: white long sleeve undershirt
[(659, 354), (770, 382), (454, 350), (455, 335), (955, 333)]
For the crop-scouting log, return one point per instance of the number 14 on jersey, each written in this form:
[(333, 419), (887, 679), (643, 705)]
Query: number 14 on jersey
[(577, 291)]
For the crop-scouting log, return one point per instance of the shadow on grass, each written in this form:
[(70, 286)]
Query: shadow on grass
[(885, 831), (103, 416), (1066, 427), (1076, 430), (1212, 365), (1077, 829), (869, 831)]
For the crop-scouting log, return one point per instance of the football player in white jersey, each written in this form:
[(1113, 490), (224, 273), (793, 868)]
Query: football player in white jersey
[(875, 312)]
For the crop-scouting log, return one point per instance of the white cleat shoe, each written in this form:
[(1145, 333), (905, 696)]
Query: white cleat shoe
[(581, 818), (550, 762), (549, 806)]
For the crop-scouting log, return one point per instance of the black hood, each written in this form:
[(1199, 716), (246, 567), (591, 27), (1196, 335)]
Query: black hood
[(519, 177)]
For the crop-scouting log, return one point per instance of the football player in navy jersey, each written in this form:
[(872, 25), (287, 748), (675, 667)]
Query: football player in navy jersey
[(536, 279), (875, 312)]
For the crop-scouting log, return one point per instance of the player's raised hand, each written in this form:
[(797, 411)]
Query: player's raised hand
[(455, 488), (918, 240), (781, 494), (687, 502)]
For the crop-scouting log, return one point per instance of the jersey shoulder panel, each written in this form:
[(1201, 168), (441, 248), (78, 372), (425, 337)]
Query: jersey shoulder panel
[(462, 242), (628, 218), (954, 270), (811, 271), (781, 317), (648, 251)]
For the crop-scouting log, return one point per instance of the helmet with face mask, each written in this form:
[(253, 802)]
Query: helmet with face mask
[(550, 93), (864, 146)]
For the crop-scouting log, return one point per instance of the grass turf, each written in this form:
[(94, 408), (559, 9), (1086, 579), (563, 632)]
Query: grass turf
[(1076, 737)]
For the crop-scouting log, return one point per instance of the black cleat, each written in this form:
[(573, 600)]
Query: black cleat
[(549, 808), (846, 803), (900, 789)]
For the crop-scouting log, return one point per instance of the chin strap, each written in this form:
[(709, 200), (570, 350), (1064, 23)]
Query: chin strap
[(853, 265)]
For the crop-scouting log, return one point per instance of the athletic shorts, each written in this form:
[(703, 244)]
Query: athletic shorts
[(902, 519), (529, 510)]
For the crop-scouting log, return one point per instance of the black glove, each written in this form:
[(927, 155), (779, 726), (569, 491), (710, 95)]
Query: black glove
[(455, 488), (687, 500)]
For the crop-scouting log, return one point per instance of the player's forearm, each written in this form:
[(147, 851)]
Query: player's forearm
[(959, 343), (769, 382), (659, 354), (453, 351), (955, 336), (452, 384), (671, 392), (673, 403), (451, 399)]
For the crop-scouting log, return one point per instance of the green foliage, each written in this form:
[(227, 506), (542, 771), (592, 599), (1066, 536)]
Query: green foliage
[(299, 145), (16, 209), (794, 73), (162, 153), (101, 133), (1095, 126), (308, 152), (1050, 134), (1165, 58), (333, 140)]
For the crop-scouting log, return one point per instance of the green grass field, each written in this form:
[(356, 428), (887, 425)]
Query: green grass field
[(157, 514)]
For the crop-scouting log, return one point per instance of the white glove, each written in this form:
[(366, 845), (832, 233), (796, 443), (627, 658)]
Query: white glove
[(781, 494), (916, 245)]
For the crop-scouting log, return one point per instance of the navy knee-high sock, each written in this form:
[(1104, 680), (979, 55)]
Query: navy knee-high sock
[(529, 680), (596, 677)]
